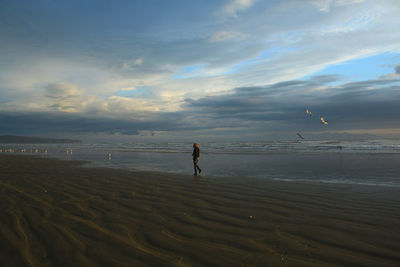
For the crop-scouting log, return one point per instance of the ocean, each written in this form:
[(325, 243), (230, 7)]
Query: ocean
[(363, 162)]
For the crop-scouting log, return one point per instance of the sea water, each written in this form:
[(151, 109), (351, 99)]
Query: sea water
[(367, 162)]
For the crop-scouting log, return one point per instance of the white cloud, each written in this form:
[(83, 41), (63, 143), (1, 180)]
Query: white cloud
[(132, 63), (65, 97), (225, 35), (359, 20), (118, 104), (235, 6), (326, 5), (62, 91), (139, 61)]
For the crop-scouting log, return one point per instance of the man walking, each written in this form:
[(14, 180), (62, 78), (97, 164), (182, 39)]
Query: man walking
[(196, 158)]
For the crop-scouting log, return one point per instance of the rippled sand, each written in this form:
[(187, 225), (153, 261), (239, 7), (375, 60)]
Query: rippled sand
[(57, 213)]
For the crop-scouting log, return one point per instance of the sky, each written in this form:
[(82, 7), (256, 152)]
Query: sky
[(200, 70)]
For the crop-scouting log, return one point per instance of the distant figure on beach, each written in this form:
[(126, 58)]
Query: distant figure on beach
[(196, 158)]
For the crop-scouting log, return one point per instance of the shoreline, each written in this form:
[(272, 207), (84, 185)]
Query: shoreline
[(60, 213), (368, 169)]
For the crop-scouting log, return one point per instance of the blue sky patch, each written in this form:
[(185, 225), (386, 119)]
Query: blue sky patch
[(188, 71), (367, 68)]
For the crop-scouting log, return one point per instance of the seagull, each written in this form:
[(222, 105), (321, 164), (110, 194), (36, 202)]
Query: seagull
[(299, 135), (308, 112), (323, 121)]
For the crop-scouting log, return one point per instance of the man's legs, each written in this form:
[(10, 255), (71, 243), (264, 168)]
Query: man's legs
[(196, 167)]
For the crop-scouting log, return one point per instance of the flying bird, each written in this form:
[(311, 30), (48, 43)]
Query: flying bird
[(308, 112), (299, 135), (323, 121)]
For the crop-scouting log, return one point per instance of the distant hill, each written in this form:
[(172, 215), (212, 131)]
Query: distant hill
[(11, 139)]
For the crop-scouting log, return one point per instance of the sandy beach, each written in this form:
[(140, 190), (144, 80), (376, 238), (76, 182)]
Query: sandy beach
[(58, 213)]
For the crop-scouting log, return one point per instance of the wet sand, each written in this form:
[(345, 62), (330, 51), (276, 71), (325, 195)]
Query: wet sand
[(58, 213)]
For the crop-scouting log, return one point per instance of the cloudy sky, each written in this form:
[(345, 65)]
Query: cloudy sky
[(179, 69)]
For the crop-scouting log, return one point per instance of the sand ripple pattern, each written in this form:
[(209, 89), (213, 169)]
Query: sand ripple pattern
[(56, 213)]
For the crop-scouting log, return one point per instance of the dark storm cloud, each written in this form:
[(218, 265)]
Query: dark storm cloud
[(397, 69), (276, 108), (272, 102), (68, 123), (365, 104)]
